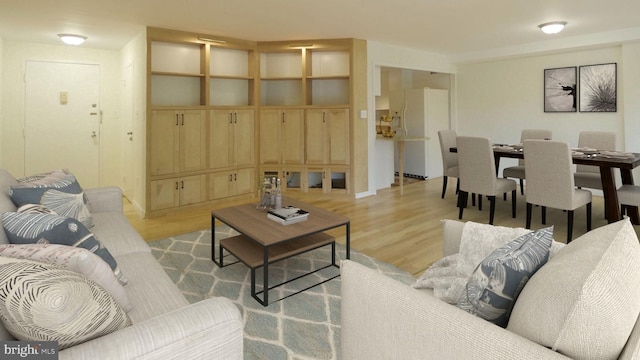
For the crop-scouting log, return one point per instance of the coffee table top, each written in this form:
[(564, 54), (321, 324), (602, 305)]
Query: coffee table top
[(254, 223)]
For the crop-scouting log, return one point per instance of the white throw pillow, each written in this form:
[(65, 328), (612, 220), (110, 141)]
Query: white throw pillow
[(75, 259), (42, 302), (585, 301)]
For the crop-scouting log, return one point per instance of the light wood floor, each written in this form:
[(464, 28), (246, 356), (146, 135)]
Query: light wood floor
[(403, 230)]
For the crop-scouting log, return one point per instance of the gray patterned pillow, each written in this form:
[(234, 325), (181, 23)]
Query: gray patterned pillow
[(497, 281), (58, 190), (45, 303), (32, 228)]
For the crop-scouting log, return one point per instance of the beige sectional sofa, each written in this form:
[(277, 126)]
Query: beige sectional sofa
[(165, 325), (583, 304)]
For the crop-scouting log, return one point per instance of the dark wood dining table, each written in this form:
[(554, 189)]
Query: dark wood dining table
[(607, 164)]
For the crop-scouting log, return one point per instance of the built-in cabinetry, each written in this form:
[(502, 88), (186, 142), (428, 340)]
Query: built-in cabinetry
[(223, 113)]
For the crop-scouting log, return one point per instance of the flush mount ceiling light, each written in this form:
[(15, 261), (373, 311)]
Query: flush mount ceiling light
[(552, 27), (71, 39)]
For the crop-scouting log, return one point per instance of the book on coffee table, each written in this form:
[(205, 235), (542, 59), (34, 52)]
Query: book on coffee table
[(288, 215)]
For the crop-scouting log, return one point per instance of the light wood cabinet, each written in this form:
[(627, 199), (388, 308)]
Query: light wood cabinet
[(282, 136), (232, 137), (170, 193), (327, 136), (223, 184), (178, 141), (327, 179)]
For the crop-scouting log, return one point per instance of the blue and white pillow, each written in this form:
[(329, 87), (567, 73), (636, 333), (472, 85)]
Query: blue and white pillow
[(42, 228), (58, 190), (493, 288)]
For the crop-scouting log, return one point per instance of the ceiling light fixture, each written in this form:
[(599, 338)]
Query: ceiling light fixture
[(552, 27), (71, 39)]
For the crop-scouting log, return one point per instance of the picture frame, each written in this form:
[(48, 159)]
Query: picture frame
[(599, 88), (560, 89)]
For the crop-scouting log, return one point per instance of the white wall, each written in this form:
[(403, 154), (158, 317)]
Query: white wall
[(14, 56), (498, 99)]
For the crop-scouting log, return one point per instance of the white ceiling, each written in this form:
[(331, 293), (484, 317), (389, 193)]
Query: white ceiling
[(464, 30)]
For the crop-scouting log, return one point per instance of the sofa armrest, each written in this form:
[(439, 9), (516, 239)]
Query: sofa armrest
[(209, 329), (451, 236), (384, 319), (104, 199)]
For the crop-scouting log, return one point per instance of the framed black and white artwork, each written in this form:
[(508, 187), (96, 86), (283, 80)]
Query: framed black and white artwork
[(598, 88), (560, 89)]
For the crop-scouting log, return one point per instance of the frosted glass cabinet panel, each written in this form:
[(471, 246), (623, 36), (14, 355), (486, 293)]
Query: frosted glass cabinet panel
[(176, 58)]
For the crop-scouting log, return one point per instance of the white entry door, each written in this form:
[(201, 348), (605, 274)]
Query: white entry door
[(62, 119)]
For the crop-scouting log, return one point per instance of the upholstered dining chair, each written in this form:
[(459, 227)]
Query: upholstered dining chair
[(589, 176), (449, 160), (550, 181), (517, 171), (478, 175)]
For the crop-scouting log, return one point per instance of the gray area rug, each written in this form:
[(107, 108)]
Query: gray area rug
[(302, 326)]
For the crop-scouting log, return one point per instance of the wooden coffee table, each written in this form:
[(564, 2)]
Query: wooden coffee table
[(263, 241)]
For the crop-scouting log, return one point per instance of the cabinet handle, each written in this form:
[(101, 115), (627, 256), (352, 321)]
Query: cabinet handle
[(230, 177), (324, 117), (176, 185), (182, 119), (182, 184), (323, 174), (235, 117), (282, 117), (177, 119), (235, 176), (230, 118)]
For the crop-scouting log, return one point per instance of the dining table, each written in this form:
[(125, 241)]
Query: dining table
[(607, 161)]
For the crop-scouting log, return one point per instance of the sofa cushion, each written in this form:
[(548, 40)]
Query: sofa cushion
[(31, 228), (75, 259), (495, 284), (57, 190), (585, 301), (6, 204), (42, 302)]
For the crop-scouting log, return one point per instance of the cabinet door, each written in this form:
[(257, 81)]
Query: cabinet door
[(220, 185), (293, 137), (338, 136), (192, 189), (270, 136), (164, 142), (221, 135), (315, 139), (244, 138), (193, 140), (244, 181), (164, 194)]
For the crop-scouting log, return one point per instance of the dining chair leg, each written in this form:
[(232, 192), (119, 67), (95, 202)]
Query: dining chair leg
[(543, 209), (479, 202), (521, 186), (457, 186), (589, 217), (513, 204), (529, 209), (492, 208), (473, 199), (569, 225), (444, 186), (462, 202)]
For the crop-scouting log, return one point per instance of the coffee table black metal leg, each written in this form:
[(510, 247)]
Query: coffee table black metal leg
[(348, 240), (265, 289)]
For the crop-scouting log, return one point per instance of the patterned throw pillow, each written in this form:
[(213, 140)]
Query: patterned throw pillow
[(58, 190), (496, 283), (75, 259), (31, 228), (42, 302)]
